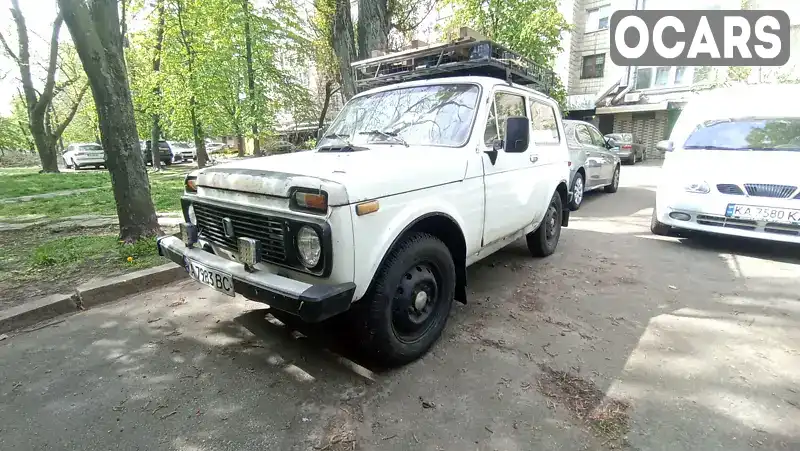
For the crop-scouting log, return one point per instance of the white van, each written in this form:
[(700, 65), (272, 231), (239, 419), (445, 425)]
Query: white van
[(731, 165)]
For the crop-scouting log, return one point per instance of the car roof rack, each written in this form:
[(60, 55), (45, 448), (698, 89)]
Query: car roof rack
[(462, 57)]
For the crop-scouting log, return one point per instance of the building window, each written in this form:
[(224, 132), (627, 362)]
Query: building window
[(644, 78), (680, 75), (662, 77), (597, 18), (593, 66)]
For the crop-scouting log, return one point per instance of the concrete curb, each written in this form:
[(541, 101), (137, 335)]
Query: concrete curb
[(88, 295)]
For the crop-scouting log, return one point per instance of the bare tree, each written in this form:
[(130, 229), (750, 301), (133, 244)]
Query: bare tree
[(95, 29), (46, 133)]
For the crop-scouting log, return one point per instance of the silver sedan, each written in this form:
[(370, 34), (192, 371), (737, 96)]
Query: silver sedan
[(592, 164)]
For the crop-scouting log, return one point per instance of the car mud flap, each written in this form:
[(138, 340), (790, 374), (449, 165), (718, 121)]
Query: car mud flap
[(565, 217)]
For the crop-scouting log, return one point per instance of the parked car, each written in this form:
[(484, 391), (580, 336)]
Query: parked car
[(186, 150), (81, 155), (213, 146), (628, 149), (730, 166), (381, 220), (165, 152), (280, 146), (592, 162)]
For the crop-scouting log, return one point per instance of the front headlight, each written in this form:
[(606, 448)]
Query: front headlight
[(309, 247), (697, 188), (192, 216)]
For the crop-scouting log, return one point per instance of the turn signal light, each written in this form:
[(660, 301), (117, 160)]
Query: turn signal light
[(367, 208), (311, 201), (191, 184)]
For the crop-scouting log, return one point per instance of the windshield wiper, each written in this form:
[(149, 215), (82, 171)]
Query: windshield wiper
[(388, 135)]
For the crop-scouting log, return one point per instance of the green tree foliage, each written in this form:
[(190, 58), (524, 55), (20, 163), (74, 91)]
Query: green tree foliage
[(532, 28)]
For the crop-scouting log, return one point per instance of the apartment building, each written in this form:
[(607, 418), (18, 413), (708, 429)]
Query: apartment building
[(645, 101)]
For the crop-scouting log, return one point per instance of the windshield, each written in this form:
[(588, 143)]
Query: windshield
[(747, 134), (621, 137), (435, 115), (91, 147)]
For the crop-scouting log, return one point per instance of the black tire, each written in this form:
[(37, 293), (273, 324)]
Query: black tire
[(391, 329), (167, 162), (543, 241), (74, 165), (632, 161), (658, 227), (577, 198), (67, 165), (612, 188)]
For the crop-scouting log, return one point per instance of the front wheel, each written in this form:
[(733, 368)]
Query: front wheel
[(543, 241), (612, 188), (67, 164), (658, 227), (407, 308)]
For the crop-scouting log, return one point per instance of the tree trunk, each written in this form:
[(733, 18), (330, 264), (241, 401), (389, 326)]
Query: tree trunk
[(326, 103), (97, 39), (155, 137), (240, 144), (373, 27), (44, 146), (155, 131), (251, 77), (343, 43), (199, 135)]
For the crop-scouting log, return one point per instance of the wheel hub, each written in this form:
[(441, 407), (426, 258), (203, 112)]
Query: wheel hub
[(578, 191), (414, 301)]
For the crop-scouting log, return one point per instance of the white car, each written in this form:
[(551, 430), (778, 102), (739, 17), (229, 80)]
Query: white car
[(731, 165), (186, 150), (382, 219), (81, 155)]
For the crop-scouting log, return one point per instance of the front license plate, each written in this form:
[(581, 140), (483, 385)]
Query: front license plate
[(768, 214), (217, 280)]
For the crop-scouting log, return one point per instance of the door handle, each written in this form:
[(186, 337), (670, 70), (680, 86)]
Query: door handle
[(534, 158)]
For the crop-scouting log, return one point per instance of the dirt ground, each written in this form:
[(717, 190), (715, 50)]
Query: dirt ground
[(621, 340)]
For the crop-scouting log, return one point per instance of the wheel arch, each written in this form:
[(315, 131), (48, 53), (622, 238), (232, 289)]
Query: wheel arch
[(444, 227), (563, 192)]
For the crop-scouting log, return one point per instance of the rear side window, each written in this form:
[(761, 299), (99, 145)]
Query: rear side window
[(584, 137), (544, 123), (505, 105)]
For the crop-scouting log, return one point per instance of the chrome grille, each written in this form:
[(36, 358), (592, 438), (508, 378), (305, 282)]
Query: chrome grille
[(769, 190), (268, 230), (726, 188)]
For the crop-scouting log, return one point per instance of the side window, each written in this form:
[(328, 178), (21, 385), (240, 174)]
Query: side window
[(584, 137), (544, 125), (504, 106), (597, 138)]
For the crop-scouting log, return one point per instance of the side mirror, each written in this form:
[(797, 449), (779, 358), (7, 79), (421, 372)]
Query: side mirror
[(518, 134), (611, 143), (665, 146)]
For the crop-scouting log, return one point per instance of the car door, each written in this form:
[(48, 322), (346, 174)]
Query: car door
[(514, 182), (607, 170), (594, 160)]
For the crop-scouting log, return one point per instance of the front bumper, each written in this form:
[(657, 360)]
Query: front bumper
[(311, 302), (707, 214)]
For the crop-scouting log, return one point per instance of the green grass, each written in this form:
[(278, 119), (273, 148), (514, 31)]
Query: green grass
[(26, 182), (166, 190), (77, 249)]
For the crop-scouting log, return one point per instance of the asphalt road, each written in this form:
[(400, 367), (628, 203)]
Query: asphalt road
[(619, 341)]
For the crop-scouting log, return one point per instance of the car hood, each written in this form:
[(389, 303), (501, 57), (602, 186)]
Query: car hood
[(360, 175), (733, 166)]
